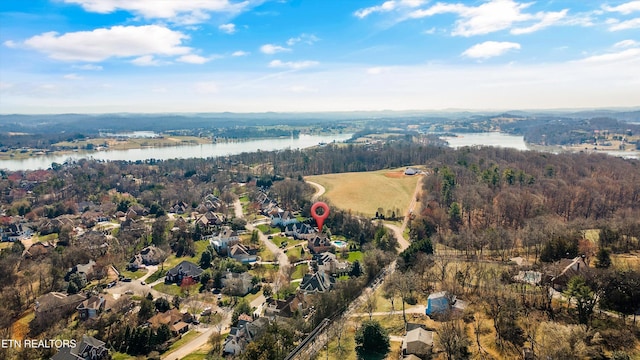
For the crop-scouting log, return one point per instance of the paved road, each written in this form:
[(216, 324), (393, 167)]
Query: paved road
[(320, 190)]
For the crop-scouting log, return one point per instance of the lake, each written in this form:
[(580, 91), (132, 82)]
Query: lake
[(487, 139), (512, 141), (175, 152)]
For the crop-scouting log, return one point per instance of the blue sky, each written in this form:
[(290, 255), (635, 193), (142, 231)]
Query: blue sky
[(99, 56)]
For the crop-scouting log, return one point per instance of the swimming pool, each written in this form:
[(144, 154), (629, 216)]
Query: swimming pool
[(339, 243)]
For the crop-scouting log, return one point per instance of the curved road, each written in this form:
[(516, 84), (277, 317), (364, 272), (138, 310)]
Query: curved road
[(320, 190)]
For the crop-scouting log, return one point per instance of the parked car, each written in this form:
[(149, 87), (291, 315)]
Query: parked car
[(128, 292), (143, 283), (126, 279)]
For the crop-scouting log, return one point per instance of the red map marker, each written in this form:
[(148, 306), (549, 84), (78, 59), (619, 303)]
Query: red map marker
[(320, 218)]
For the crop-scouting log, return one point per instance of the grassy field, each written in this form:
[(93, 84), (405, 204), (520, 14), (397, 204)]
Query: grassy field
[(365, 192), (348, 345), (183, 340), (355, 255), (134, 274), (170, 289), (301, 270), (266, 229)]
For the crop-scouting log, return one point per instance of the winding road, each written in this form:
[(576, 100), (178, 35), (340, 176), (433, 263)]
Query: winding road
[(320, 190)]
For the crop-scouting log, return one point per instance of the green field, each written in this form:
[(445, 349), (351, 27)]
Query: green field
[(301, 270), (365, 192), (134, 274), (266, 229)]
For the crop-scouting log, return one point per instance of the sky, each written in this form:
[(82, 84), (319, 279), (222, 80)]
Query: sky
[(152, 56)]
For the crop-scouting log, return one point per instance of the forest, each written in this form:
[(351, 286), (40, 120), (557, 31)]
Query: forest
[(479, 205)]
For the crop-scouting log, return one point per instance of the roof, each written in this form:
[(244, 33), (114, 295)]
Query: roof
[(411, 357), (169, 317), (186, 268), (88, 348), (437, 295), (420, 335), (54, 300), (318, 282)]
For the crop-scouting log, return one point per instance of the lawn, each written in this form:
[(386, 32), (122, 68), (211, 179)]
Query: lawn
[(348, 346), (157, 275), (49, 237), (266, 254), (266, 229), (190, 335), (200, 247), (134, 274), (355, 255), (365, 192), (6, 244), (300, 271), (170, 289), (120, 356)]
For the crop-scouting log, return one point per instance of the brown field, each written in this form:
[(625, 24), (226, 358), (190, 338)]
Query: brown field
[(365, 192)]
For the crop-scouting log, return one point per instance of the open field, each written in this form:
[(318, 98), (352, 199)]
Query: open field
[(365, 192)]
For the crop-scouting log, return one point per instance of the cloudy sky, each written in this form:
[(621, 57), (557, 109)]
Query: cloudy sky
[(316, 55)]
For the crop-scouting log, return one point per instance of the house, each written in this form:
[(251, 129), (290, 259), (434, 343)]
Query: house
[(57, 303), (150, 255), (318, 282), (295, 303), (225, 239), (16, 232), (238, 284), (299, 231), (212, 202), (178, 322), (243, 253), (86, 271), (179, 208), (283, 219), (566, 269), (441, 303), (94, 306), (242, 334), (185, 269), (89, 348), (38, 250), (319, 243), (329, 263), (418, 342), (411, 171)]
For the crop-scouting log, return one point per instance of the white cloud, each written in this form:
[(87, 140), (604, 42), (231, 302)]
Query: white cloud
[(90, 67), (240, 53), (430, 31), (490, 49), (377, 70), (178, 11), (308, 39), (295, 65), (626, 8), (626, 43), (193, 59), (10, 44), (146, 60), (616, 25), (387, 6), (118, 41), (492, 16), (271, 49), (72, 77), (207, 87), (547, 20), (227, 28), (625, 55), (301, 89)]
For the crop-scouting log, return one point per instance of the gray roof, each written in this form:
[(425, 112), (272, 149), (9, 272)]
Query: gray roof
[(186, 268)]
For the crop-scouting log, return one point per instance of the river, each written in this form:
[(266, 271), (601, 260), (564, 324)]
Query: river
[(174, 152)]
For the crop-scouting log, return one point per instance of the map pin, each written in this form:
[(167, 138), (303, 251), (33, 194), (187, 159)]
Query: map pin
[(320, 218)]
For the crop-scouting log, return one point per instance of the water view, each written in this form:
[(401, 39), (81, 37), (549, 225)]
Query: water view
[(487, 139), (173, 152)]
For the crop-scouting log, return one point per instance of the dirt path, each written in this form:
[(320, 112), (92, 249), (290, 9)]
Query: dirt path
[(320, 190)]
